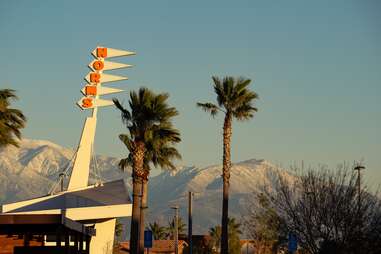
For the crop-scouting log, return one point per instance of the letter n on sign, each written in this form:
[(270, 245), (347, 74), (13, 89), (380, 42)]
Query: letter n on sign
[(102, 52)]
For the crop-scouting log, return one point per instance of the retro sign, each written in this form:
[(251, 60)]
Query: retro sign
[(93, 89)]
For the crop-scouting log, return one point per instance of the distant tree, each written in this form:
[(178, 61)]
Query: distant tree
[(158, 232), (235, 100), (170, 230), (234, 237), (327, 212), (118, 230), (264, 225), (11, 120), (215, 243)]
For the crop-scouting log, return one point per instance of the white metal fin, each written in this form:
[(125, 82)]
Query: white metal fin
[(113, 52), (104, 78), (93, 103), (109, 65), (101, 90)]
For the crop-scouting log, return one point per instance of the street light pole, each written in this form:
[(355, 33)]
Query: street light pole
[(190, 195), (358, 168)]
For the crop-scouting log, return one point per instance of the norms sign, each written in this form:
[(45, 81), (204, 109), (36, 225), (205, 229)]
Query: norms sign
[(93, 89)]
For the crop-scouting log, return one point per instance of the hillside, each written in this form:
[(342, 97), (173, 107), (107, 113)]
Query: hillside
[(30, 171)]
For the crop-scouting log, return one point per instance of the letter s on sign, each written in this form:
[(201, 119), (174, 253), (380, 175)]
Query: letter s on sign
[(87, 102)]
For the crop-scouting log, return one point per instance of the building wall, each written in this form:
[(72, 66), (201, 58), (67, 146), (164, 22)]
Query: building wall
[(7, 243)]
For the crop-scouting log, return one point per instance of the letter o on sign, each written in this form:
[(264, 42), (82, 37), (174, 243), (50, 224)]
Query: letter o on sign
[(98, 65)]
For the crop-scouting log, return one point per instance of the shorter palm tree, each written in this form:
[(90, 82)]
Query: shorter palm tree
[(160, 153), (148, 112), (158, 231), (11, 120)]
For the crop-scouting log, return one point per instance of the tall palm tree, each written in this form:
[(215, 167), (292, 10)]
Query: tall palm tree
[(158, 231), (235, 100), (11, 120), (159, 153), (148, 112)]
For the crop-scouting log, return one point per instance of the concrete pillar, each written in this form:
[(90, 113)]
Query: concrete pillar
[(103, 241)]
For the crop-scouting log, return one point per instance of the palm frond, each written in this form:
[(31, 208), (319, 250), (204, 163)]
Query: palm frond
[(209, 108), (11, 120), (149, 120), (127, 142), (244, 112)]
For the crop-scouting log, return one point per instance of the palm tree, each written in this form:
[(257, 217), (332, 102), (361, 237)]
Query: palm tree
[(148, 113), (235, 100), (11, 120), (181, 226), (234, 241), (118, 231), (215, 234), (159, 153), (158, 231)]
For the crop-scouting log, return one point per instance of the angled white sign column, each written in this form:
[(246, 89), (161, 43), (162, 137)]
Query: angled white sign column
[(99, 205), (104, 240), (92, 90)]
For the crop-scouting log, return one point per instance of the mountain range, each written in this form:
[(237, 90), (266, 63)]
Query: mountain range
[(32, 169)]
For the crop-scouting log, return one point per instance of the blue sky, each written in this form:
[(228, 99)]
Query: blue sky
[(316, 66)]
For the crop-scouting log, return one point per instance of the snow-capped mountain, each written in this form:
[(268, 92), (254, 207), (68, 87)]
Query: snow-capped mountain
[(31, 170), (247, 178)]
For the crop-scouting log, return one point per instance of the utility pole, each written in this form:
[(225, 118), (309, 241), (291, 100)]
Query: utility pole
[(190, 195), (176, 220)]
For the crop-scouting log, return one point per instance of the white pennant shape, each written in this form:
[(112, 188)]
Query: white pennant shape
[(107, 65), (90, 103), (99, 90), (103, 52), (104, 78)]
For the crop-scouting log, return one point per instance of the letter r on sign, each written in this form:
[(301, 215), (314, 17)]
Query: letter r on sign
[(95, 77)]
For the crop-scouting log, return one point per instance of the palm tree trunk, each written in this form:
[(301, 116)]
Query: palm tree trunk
[(226, 176), (142, 214), (138, 161)]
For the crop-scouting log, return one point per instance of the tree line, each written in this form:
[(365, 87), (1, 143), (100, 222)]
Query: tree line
[(329, 210)]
